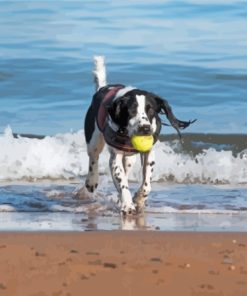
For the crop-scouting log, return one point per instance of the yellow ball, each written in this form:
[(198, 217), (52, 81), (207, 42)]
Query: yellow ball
[(142, 143)]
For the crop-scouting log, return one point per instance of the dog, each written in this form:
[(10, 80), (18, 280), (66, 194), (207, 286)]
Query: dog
[(118, 112)]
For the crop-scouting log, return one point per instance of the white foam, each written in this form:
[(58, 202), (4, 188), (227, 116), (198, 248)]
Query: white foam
[(211, 166), (7, 208), (64, 156), (211, 211)]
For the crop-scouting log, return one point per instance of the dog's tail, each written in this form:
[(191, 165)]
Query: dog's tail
[(99, 72)]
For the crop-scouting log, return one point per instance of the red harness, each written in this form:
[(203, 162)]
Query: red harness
[(115, 139), (102, 114)]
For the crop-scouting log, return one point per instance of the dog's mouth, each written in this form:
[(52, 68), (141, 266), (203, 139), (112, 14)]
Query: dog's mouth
[(144, 130), (138, 130)]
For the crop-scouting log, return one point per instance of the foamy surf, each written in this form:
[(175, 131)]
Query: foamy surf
[(64, 157)]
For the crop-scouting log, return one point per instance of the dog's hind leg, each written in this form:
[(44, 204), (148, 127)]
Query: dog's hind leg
[(142, 193), (94, 148)]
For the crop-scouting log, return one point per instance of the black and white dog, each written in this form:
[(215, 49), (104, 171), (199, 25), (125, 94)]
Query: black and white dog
[(116, 113)]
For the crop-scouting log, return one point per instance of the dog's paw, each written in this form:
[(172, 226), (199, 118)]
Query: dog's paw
[(128, 209), (82, 193), (139, 201), (90, 186)]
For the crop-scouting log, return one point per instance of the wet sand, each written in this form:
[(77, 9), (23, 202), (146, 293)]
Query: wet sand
[(123, 263)]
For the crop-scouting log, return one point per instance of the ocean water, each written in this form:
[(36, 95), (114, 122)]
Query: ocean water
[(193, 53)]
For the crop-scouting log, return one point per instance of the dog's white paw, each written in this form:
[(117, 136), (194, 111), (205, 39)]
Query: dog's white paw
[(91, 185), (128, 209)]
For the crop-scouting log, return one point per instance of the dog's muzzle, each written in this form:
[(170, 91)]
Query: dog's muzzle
[(144, 129)]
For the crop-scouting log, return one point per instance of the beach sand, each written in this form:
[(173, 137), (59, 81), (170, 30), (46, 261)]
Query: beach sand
[(123, 263)]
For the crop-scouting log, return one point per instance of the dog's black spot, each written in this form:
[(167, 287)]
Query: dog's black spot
[(152, 170), (152, 163), (124, 187), (129, 165), (89, 124), (146, 184), (119, 179), (90, 168), (90, 188)]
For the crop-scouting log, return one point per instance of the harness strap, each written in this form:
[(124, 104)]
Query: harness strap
[(118, 140), (102, 114)]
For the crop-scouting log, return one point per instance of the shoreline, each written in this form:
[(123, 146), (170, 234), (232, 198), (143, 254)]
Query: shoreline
[(123, 263), (83, 222)]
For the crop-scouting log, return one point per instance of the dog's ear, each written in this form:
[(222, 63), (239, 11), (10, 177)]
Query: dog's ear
[(163, 107), (114, 109), (117, 110)]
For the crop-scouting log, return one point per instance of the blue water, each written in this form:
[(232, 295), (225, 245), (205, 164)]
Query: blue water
[(194, 53)]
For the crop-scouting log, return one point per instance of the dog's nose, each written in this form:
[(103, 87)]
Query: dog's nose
[(145, 129)]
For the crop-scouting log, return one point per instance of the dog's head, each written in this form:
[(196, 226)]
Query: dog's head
[(138, 113)]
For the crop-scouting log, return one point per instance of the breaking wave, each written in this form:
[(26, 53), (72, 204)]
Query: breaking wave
[(64, 156)]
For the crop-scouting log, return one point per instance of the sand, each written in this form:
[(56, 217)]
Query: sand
[(123, 263)]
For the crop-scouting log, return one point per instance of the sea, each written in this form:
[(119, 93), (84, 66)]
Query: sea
[(193, 53)]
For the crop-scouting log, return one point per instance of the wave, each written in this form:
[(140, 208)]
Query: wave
[(64, 156)]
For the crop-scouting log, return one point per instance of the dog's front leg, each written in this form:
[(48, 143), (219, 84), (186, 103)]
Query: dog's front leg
[(120, 180), (148, 162)]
